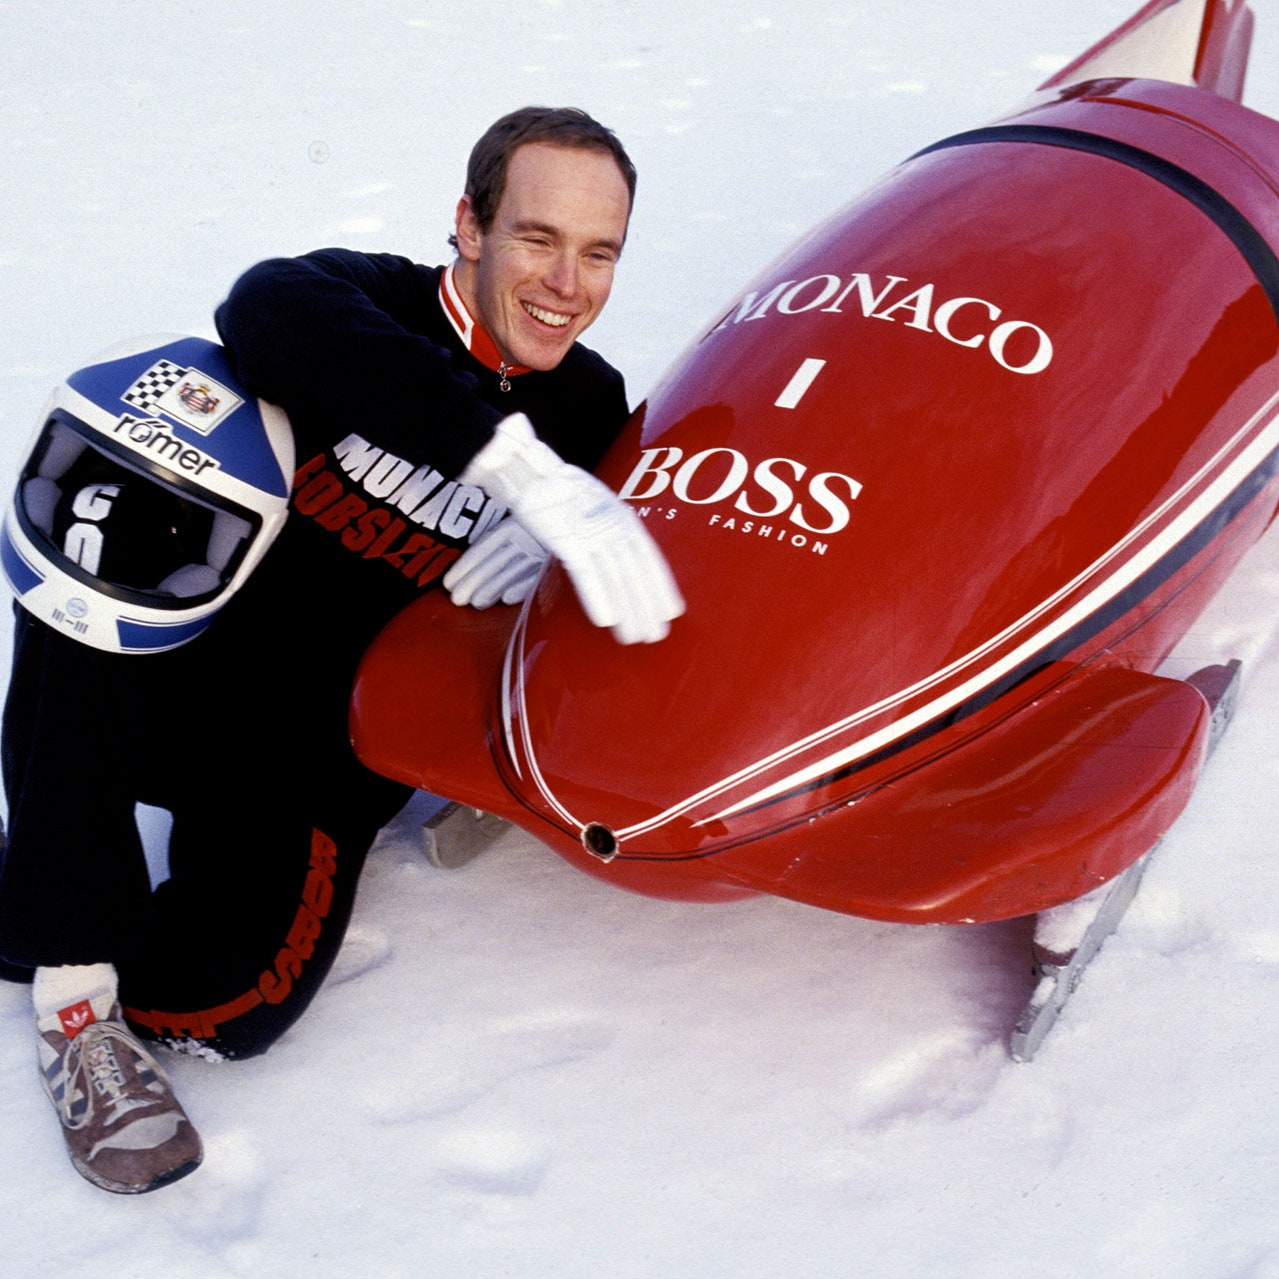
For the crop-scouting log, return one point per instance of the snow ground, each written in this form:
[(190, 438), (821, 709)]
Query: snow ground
[(518, 1071)]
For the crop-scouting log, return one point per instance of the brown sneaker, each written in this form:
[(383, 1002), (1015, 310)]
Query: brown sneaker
[(124, 1128)]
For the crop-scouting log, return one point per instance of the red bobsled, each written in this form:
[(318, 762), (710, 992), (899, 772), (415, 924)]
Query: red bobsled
[(942, 490)]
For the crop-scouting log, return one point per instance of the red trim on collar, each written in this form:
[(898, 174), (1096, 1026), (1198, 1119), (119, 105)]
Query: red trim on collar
[(474, 338)]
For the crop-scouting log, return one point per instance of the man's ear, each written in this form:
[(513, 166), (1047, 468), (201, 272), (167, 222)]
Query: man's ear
[(467, 229)]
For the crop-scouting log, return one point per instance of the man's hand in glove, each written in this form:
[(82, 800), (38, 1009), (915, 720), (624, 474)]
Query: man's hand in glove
[(503, 565), (617, 570)]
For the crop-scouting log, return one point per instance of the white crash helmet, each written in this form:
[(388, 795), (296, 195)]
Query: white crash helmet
[(153, 487)]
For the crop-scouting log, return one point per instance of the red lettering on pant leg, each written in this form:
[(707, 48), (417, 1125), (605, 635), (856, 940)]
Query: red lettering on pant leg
[(324, 854), (202, 1024), (275, 984), (304, 933), (272, 988), (317, 892), (307, 925), (278, 985)]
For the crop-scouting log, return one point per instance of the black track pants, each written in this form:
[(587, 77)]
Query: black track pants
[(272, 819)]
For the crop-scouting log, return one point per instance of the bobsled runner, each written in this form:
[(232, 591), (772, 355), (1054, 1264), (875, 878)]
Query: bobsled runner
[(942, 488)]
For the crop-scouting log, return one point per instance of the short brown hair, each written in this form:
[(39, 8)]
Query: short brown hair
[(560, 126)]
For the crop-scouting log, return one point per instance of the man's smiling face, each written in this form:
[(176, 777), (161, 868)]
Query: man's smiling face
[(540, 274)]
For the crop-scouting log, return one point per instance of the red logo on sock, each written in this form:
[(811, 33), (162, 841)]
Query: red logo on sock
[(75, 1017)]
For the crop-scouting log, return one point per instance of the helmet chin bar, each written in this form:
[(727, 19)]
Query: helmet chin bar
[(215, 539)]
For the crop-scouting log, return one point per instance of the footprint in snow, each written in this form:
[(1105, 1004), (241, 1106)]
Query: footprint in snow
[(546, 1037), (222, 1201), (949, 1074), (508, 1049), (493, 1160)]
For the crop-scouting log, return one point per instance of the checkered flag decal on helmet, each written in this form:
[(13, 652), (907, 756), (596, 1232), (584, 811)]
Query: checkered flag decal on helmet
[(150, 388)]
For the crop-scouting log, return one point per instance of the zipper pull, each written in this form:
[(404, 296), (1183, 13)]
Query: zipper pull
[(502, 370)]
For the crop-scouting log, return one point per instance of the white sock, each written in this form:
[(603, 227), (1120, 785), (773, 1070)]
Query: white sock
[(71, 996)]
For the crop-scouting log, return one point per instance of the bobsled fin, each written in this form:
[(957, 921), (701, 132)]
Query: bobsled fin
[(1040, 809), (1201, 43)]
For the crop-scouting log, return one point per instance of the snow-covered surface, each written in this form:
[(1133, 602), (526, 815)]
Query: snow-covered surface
[(518, 1071)]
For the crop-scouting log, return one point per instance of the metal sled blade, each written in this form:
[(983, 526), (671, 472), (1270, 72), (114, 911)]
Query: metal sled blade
[(1068, 936), (1096, 917), (457, 834)]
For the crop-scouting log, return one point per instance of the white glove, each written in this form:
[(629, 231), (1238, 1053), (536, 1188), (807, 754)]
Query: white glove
[(503, 565), (620, 575)]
